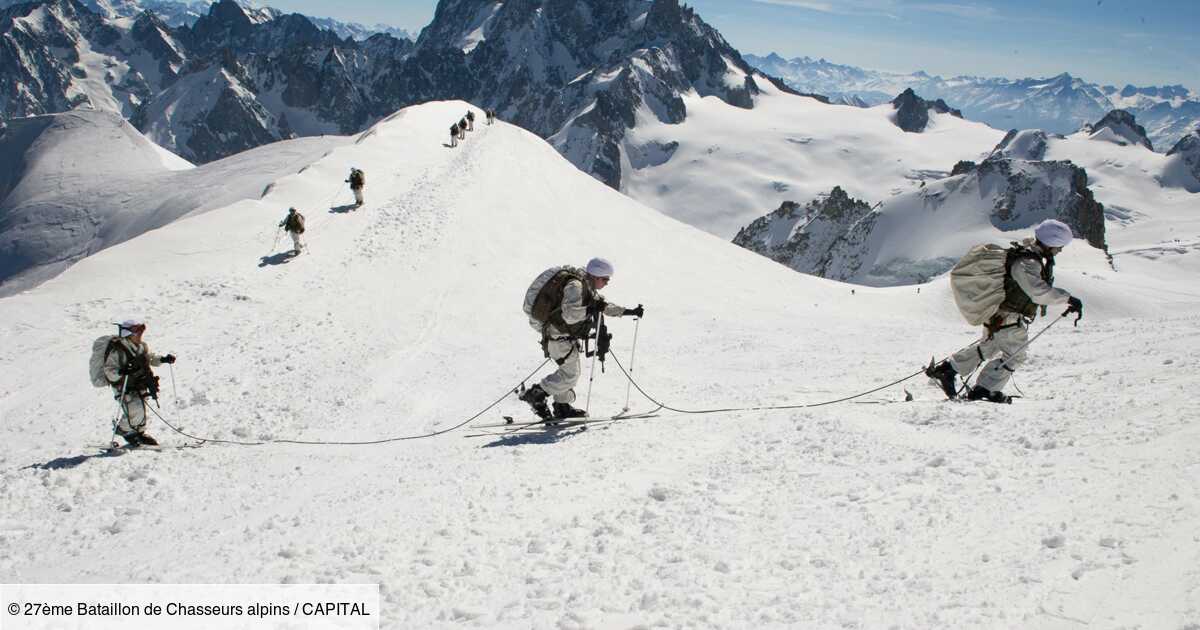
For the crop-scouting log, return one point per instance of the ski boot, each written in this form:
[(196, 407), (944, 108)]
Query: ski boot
[(536, 397), (132, 439), (146, 440), (945, 375), (979, 393), (564, 411)]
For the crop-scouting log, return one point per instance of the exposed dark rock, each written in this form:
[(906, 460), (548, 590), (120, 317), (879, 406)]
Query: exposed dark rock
[(912, 111), (962, 168)]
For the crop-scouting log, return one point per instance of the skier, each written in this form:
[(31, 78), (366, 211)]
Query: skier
[(454, 135), (127, 362), (293, 224), (1028, 279), (357, 180), (563, 305), (470, 120)]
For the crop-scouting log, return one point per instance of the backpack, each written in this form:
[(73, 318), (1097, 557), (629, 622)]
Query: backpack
[(545, 294), (295, 223), (454, 129), (357, 178), (101, 348), (978, 280)]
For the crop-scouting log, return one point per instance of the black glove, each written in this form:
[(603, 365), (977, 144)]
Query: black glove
[(170, 358), (1074, 305), (597, 306), (636, 312)]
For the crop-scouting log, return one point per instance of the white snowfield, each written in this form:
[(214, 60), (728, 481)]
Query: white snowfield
[(734, 165), (1074, 507)]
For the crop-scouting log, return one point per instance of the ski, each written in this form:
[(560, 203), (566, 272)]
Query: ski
[(120, 449), (511, 427)]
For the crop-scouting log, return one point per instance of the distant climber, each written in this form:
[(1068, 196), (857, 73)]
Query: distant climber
[(454, 135), (122, 362), (462, 128), (491, 116), (1002, 289), (470, 120), (293, 224), (563, 305), (357, 180)]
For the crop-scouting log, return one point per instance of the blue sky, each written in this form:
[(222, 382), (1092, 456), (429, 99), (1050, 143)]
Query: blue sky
[(1147, 42)]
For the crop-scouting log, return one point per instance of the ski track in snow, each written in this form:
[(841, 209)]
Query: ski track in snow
[(1074, 507)]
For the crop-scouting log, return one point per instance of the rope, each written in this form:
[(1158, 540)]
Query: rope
[(662, 405), (460, 425)]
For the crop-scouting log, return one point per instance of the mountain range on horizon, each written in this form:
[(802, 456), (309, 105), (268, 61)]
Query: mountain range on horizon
[(1059, 104), (177, 13)]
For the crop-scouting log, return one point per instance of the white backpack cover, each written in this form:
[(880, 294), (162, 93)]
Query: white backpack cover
[(96, 364), (977, 282)]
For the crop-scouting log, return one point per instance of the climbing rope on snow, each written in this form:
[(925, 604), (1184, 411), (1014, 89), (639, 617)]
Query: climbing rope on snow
[(507, 393), (662, 405)]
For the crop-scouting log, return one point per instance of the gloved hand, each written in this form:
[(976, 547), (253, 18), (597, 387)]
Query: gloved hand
[(1074, 305), (635, 312), (170, 358)]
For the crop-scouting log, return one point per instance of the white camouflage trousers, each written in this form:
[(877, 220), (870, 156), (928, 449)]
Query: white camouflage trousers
[(998, 351), (358, 198), (297, 246), (561, 384), (132, 417)]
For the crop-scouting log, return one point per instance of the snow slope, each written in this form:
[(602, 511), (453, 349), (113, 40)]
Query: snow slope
[(730, 165), (77, 182), (1077, 505)]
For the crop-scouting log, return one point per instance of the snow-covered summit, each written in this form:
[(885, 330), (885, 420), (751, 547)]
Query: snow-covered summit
[(1119, 126)]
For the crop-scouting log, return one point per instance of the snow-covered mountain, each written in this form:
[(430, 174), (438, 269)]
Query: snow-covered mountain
[(76, 183), (1185, 162), (185, 13), (1060, 104), (233, 80), (1104, 182), (724, 166), (579, 73), (402, 319)]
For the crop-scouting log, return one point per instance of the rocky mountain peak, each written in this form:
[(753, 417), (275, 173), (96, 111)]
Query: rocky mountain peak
[(1184, 162), (225, 23), (1187, 144), (912, 111), (1123, 127)]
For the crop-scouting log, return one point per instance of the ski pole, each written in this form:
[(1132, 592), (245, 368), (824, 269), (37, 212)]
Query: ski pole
[(174, 392), (121, 409), (587, 407), (278, 233), (632, 354), (1033, 339)]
